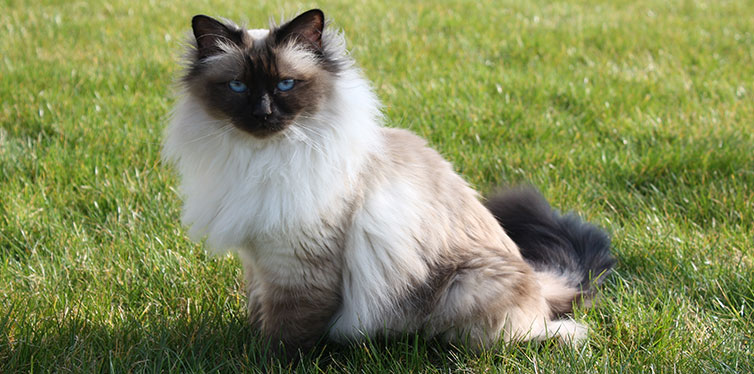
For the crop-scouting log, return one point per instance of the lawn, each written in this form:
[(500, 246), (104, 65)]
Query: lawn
[(638, 115)]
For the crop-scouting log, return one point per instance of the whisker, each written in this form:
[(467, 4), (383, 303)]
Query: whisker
[(304, 138), (316, 118), (217, 133), (317, 132)]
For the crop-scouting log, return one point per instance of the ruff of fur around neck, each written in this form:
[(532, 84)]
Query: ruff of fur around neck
[(236, 187)]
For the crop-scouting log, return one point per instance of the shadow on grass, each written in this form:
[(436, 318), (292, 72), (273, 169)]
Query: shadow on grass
[(73, 343), (76, 343), (212, 343)]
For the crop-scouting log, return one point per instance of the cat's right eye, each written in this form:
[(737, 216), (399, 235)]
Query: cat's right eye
[(237, 86)]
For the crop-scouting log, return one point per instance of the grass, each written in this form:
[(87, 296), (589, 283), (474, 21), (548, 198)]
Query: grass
[(636, 114)]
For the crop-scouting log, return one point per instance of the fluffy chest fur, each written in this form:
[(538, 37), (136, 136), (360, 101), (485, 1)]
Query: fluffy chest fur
[(240, 191)]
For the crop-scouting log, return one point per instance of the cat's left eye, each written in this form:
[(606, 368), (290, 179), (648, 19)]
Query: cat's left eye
[(286, 84)]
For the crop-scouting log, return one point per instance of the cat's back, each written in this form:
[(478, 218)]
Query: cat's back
[(409, 156), (408, 152), (447, 206)]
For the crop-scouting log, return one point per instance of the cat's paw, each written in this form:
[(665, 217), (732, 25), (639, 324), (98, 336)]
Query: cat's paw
[(570, 332)]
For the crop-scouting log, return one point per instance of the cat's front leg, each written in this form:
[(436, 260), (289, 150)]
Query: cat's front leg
[(296, 317), (294, 314), (253, 290)]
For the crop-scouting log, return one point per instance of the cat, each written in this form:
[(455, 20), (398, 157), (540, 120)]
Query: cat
[(346, 228)]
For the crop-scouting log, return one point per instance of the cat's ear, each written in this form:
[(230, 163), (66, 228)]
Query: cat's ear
[(211, 33), (306, 29)]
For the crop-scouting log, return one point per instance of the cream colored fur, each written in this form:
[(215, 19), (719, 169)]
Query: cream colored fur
[(363, 228)]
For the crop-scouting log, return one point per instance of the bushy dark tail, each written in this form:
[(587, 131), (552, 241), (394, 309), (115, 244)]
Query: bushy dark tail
[(557, 246)]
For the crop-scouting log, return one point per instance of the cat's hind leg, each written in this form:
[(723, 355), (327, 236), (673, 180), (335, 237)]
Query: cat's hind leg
[(493, 297)]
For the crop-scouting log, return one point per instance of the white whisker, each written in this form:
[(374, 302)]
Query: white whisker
[(304, 138), (218, 133)]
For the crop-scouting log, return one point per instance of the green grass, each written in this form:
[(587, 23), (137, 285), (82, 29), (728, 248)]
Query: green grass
[(636, 114)]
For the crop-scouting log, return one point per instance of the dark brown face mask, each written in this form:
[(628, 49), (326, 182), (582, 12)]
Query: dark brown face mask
[(257, 84)]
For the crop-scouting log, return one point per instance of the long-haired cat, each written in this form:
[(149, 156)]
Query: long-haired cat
[(349, 229)]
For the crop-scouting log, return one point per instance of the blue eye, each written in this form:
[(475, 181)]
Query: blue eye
[(237, 86), (286, 84)]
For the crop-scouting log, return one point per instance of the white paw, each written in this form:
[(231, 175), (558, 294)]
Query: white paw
[(570, 332)]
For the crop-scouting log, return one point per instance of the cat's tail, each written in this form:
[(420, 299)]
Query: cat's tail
[(571, 257)]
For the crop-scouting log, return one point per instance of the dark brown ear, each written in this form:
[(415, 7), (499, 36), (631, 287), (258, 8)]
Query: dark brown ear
[(305, 29), (209, 33)]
